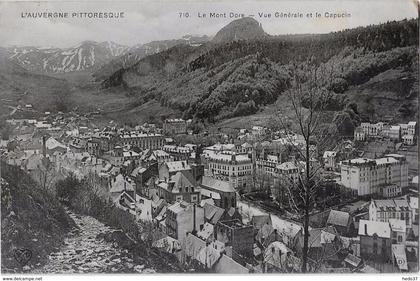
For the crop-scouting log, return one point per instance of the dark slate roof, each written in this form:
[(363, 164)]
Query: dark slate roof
[(338, 218)]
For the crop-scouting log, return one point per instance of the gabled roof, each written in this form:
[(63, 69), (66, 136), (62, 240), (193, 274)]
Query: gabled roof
[(320, 236), (229, 266), (258, 221), (213, 213), (179, 182), (246, 145), (183, 179), (338, 218), (121, 184)]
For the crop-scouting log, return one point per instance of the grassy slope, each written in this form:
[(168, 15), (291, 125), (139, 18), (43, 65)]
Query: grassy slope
[(30, 218), (18, 86)]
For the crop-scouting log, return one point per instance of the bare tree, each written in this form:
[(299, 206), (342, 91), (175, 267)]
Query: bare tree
[(46, 174), (307, 101)]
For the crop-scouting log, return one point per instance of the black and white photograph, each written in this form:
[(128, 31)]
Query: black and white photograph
[(209, 137)]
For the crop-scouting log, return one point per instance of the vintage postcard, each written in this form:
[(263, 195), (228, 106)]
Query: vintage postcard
[(219, 137)]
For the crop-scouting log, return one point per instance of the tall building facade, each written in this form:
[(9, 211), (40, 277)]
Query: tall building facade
[(369, 176)]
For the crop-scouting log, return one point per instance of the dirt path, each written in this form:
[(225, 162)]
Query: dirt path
[(83, 252)]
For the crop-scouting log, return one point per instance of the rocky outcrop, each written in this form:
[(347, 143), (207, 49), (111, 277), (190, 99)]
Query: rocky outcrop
[(240, 29)]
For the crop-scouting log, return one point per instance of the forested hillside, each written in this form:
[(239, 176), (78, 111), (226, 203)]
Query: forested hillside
[(374, 65)]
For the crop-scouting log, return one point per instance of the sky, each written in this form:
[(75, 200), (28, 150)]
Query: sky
[(147, 20)]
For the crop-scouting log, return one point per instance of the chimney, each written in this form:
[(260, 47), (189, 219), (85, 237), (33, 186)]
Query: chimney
[(366, 232)]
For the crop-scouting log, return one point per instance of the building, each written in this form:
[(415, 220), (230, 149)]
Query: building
[(221, 192), (236, 169), (183, 217), (175, 126), (329, 158), (409, 139), (178, 153), (414, 205), (390, 190), (384, 210), (341, 221), (398, 231), (395, 133), (412, 128), (121, 184), (156, 156), (372, 129), (359, 134), (288, 173), (237, 237), (179, 187), (375, 240), (214, 214), (169, 169), (244, 148), (367, 176), (322, 243), (266, 164), (141, 140)]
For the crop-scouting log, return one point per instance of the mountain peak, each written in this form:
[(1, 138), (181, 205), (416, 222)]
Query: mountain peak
[(241, 29)]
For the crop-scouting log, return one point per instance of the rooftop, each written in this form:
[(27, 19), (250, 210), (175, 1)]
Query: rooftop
[(175, 166), (216, 184), (338, 218), (369, 228), (286, 166), (397, 225)]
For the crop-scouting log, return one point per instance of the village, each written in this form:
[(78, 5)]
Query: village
[(222, 203)]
